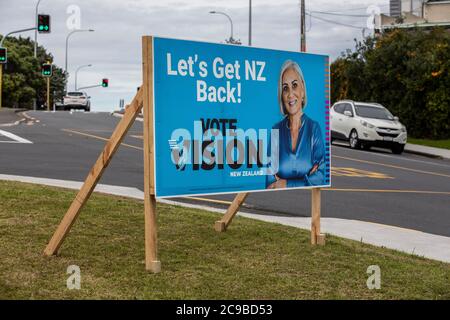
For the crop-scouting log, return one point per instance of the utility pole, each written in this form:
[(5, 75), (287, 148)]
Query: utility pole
[(302, 27), (250, 23)]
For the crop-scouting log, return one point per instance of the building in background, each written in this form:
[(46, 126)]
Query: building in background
[(414, 13), (395, 8)]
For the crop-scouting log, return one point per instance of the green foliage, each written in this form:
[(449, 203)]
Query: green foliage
[(22, 78), (405, 70)]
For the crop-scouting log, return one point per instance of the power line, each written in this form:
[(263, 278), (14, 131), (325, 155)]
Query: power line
[(337, 23), (353, 9), (341, 14)]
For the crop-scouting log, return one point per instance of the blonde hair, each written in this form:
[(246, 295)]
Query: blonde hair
[(289, 64)]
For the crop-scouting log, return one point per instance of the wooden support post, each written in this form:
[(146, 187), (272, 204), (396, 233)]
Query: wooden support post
[(151, 241), (94, 175), (316, 236), (222, 224)]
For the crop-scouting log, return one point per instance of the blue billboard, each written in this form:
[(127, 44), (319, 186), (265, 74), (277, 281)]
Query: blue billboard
[(238, 119)]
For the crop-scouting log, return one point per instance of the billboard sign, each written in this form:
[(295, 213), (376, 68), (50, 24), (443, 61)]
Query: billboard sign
[(238, 119)]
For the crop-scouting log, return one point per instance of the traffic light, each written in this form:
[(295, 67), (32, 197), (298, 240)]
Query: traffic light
[(43, 23), (3, 55), (47, 70), (105, 83)]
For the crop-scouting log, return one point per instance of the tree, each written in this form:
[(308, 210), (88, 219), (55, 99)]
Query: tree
[(22, 78), (405, 70)]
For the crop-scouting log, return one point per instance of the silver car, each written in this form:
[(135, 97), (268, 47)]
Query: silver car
[(77, 100), (367, 124)]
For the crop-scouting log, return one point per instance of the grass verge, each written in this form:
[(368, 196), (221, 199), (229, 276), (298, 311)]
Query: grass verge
[(444, 144), (252, 260)]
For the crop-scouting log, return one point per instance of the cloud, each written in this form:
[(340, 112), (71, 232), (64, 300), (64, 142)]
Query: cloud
[(114, 48)]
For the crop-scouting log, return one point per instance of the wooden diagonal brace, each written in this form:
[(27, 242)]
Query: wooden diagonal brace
[(95, 174)]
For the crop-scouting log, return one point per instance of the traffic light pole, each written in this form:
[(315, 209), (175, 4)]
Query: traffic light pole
[(48, 93), (13, 32), (35, 30), (1, 81), (89, 87)]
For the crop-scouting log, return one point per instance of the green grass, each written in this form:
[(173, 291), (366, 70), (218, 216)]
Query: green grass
[(444, 144), (252, 260)]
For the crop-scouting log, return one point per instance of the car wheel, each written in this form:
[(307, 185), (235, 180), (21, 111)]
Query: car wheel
[(354, 140), (398, 148)]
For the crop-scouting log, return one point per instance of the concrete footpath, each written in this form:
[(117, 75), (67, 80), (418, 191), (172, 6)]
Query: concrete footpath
[(427, 151), (405, 240)]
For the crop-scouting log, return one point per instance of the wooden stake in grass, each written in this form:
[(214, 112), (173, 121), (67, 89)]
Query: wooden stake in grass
[(151, 253), (316, 236), (222, 224)]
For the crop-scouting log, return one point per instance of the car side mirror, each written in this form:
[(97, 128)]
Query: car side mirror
[(396, 118), (348, 113)]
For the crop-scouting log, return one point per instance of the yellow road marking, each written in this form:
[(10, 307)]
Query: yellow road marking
[(396, 167), (100, 138), (352, 172)]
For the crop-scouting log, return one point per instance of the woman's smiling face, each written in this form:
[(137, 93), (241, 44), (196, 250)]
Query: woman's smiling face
[(293, 92)]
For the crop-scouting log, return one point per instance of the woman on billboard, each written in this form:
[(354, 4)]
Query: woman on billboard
[(301, 146)]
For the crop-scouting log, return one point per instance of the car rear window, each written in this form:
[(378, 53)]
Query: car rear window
[(373, 112), (75, 94)]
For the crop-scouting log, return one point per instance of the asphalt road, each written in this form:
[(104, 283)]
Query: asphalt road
[(405, 190)]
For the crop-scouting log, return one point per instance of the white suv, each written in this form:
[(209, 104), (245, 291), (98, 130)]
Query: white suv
[(366, 125), (77, 100)]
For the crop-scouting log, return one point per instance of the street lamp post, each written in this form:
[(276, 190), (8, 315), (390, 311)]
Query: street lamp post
[(76, 73), (67, 46), (231, 40)]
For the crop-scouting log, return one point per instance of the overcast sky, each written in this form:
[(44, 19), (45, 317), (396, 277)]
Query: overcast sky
[(114, 49)]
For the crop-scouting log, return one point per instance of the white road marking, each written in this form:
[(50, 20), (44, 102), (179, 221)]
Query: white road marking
[(13, 137), (400, 158)]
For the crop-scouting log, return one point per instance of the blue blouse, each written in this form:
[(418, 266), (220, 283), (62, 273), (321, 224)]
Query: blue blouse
[(310, 150)]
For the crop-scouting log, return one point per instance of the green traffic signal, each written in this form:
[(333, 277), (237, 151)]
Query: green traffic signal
[(43, 23), (3, 55), (47, 70)]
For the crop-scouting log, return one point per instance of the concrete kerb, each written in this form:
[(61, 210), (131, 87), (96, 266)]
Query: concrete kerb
[(405, 240), (16, 112)]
